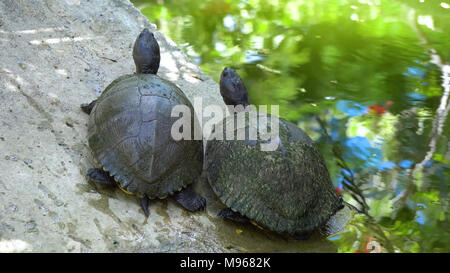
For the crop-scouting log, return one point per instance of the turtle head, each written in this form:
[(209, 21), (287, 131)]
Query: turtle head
[(146, 53), (232, 88)]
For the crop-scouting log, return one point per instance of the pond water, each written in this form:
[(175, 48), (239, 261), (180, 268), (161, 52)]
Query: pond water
[(368, 80)]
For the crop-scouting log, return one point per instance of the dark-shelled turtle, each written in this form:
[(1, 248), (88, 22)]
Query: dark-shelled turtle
[(129, 134), (287, 190)]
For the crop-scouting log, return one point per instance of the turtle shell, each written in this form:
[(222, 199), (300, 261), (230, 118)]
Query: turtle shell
[(287, 190), (129, 133)]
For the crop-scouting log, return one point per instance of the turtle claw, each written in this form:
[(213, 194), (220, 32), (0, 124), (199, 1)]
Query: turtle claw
[(190, 200), (144, 202)]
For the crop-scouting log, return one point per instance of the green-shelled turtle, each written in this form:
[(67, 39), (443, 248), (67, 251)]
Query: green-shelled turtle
[(287, 190)]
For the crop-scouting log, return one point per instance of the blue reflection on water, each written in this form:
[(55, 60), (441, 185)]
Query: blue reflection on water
[(428, 163), (415, 72), (361, 148), (335, 126), (406, 164), (358, 147), (337, 237), (415, 98), (351, 108), (386, 165), (420, 218)]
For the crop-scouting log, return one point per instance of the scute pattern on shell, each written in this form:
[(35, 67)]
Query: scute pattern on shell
[(288, 190), (129, 135)]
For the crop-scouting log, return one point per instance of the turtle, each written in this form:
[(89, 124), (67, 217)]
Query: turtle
[(287, 190), (129, 134)]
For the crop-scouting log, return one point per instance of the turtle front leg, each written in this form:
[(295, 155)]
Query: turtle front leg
[(233, 216), (100, 176), (87, 107), (190, 200)]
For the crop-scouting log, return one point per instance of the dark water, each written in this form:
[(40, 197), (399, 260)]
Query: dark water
[(369, 80)]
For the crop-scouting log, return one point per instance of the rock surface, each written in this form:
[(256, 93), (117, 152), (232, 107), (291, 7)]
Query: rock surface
[(55, 56)]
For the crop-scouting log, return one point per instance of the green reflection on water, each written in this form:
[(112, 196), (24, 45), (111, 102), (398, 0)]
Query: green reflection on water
[(368, 80)]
